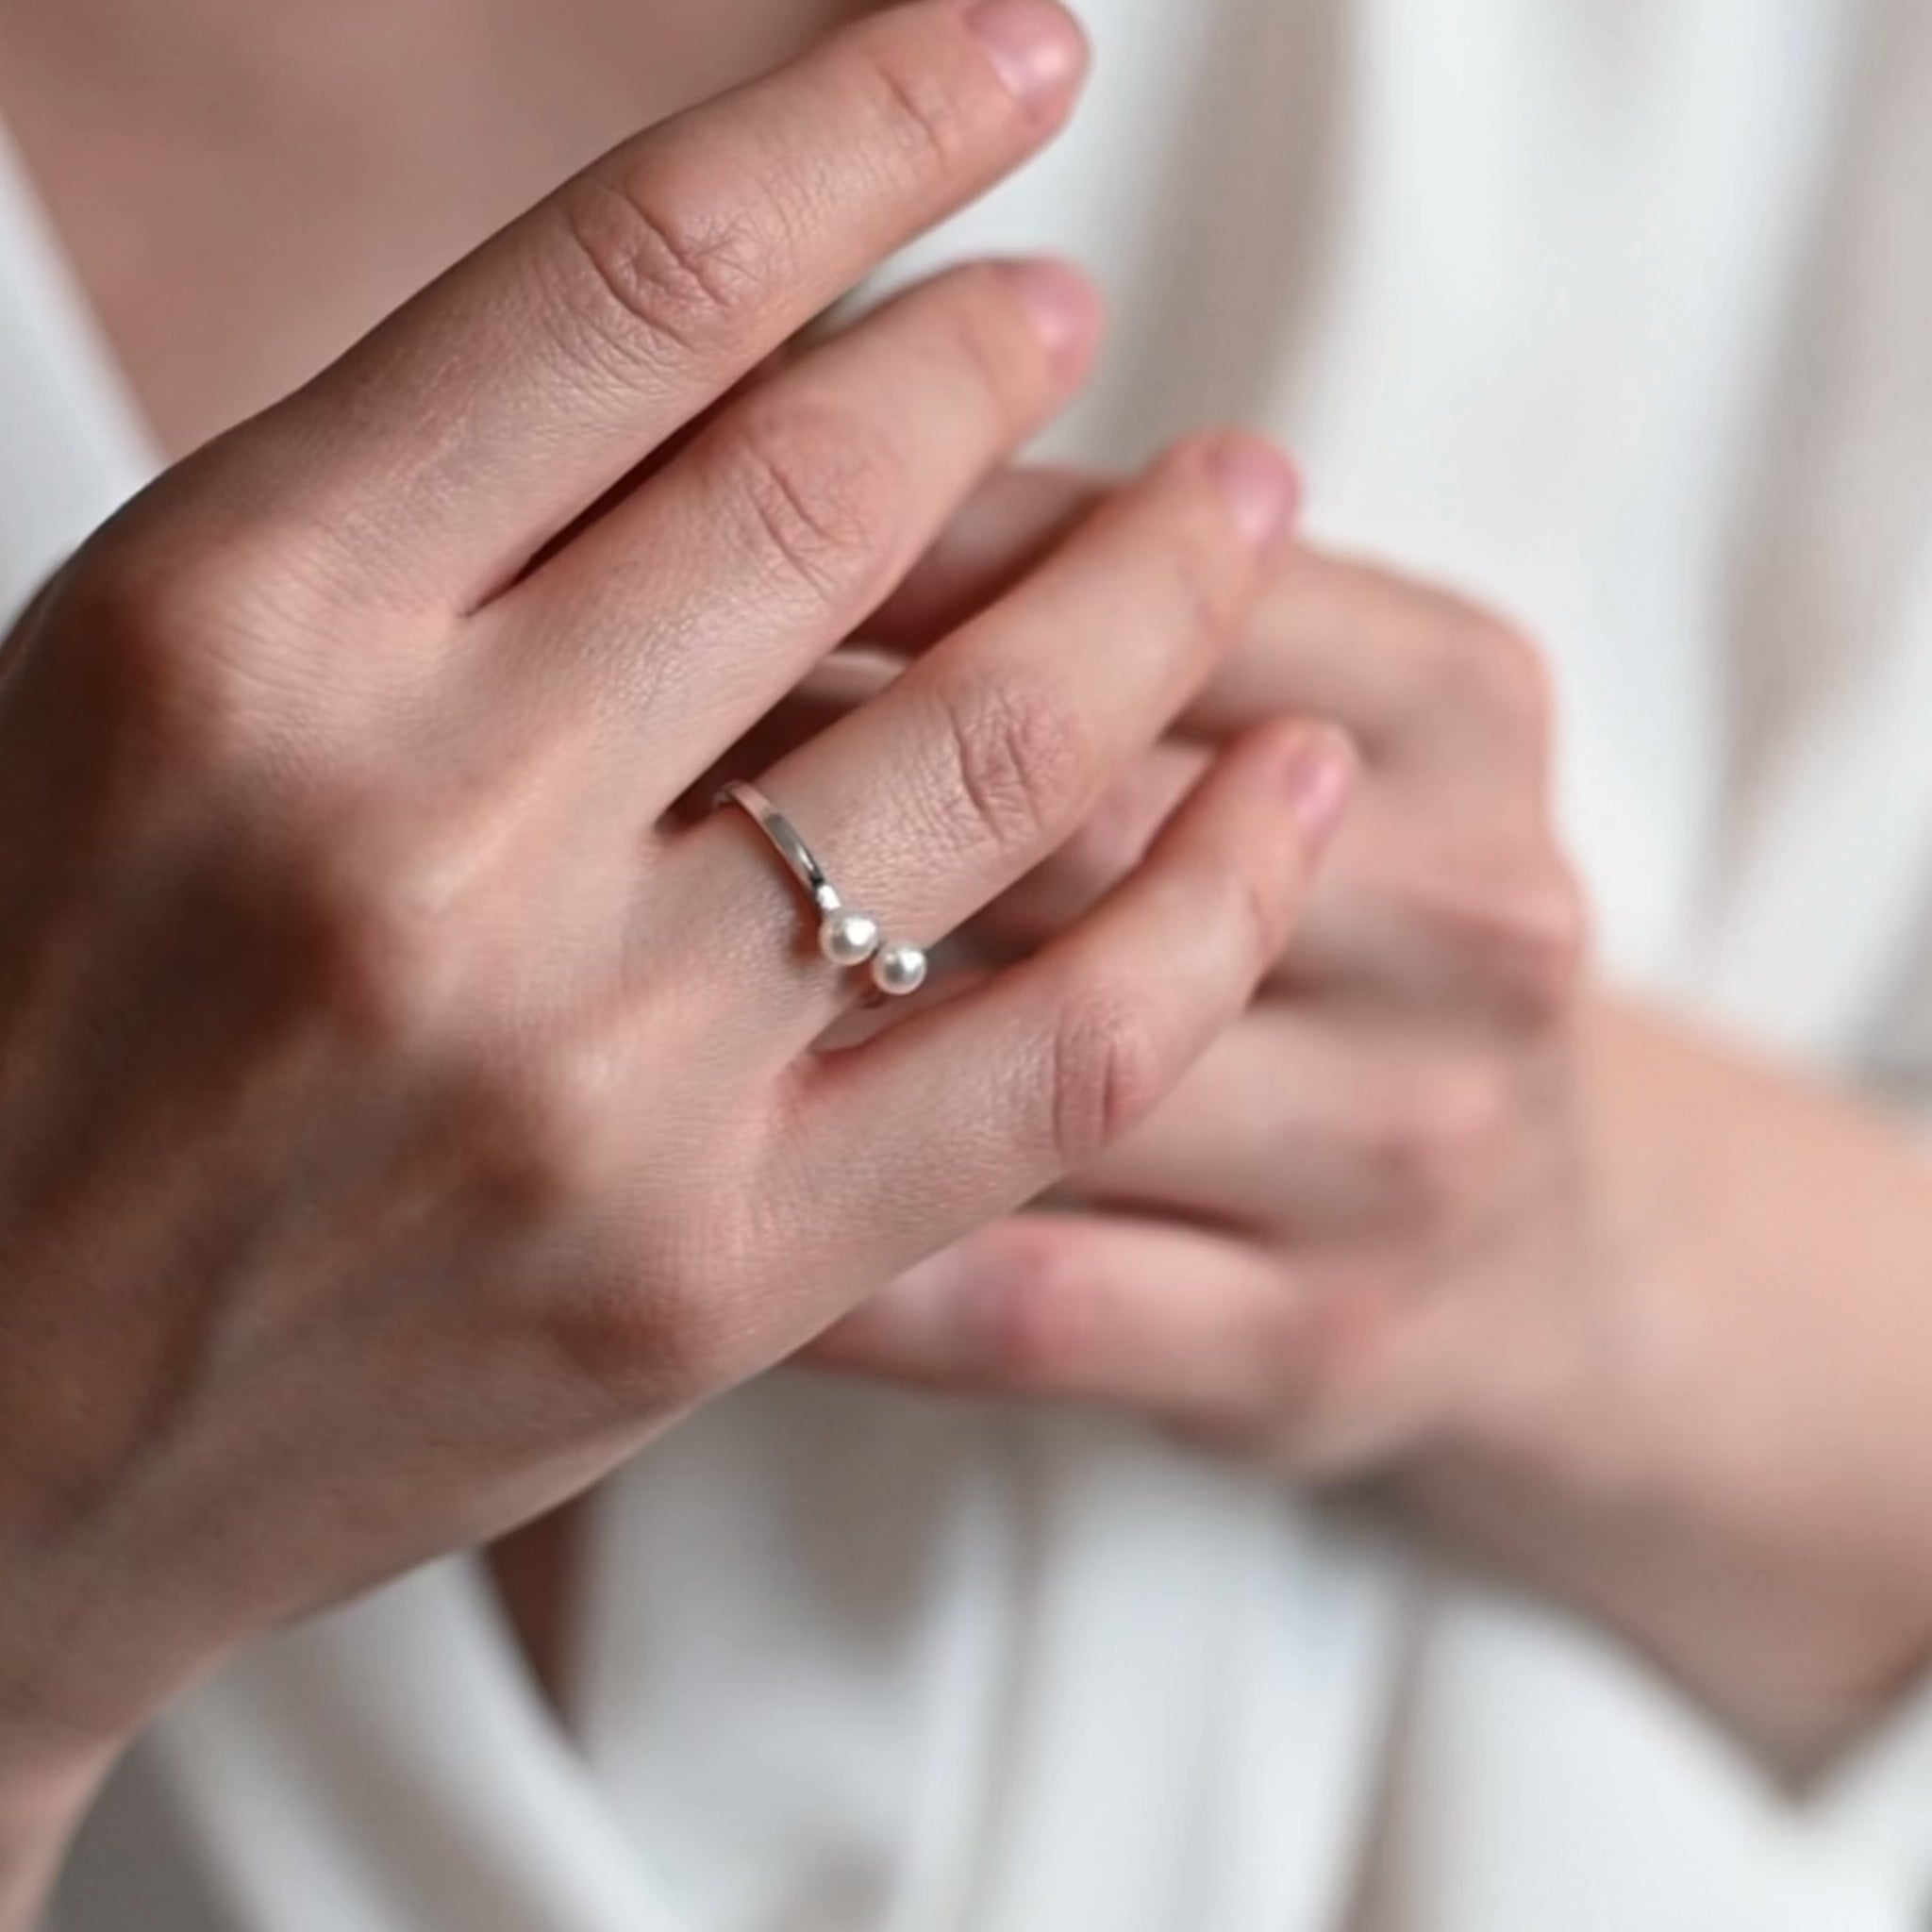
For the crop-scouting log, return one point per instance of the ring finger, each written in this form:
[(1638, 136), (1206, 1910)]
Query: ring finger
[(988, 752)]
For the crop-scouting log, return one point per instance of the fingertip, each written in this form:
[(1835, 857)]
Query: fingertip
[(1261, 488), (1314, 764), (1064, 307), (1318, 769), (1037, 49)]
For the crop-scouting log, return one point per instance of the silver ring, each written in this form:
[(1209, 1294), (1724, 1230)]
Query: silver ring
[(847, 937)]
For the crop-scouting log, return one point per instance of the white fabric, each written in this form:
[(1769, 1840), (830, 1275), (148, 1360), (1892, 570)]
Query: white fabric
[(1618, 312)]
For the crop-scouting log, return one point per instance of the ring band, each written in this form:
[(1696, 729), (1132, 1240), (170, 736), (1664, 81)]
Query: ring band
[(847, 937)]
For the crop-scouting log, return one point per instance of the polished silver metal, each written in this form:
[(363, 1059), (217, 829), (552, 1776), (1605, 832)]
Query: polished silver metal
[(847, 935), (783, 834)]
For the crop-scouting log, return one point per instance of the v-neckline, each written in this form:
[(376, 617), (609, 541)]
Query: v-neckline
[(37, 270), (76, 445)]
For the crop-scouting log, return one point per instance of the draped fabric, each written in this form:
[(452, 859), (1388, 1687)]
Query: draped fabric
[(1617, 314)]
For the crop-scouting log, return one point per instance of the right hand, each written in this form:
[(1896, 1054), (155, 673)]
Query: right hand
[(398, 1122)]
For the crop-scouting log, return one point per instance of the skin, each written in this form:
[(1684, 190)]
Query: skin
[(384, 1073), (1637, 1316)]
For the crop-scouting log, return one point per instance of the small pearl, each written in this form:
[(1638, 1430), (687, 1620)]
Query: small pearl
[(848, 937), (898, 969)]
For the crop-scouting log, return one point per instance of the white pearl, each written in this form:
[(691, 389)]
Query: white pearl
[(898, 969), (848, 937)]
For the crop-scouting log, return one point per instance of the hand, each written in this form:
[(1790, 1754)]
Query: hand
[(398, 1121), (1439, 1212), (1316, 1245)]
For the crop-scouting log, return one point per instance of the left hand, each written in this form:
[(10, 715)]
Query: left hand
[(1637, 1316), (1316, 1248)]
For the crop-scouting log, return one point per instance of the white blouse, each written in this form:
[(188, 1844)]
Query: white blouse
[(1618, 312)]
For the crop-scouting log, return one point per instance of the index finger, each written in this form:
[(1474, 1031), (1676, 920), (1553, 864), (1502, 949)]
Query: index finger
[(496, 406)]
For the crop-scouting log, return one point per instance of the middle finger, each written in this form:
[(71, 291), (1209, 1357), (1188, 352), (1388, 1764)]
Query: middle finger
[(688, 610), (987, 753)]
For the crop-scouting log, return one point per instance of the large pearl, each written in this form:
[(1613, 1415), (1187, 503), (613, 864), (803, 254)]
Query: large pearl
[(898, 969), (848, 937)]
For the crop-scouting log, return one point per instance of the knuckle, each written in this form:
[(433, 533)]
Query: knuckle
[(820, 493), (378, 977), (1435, 1139), (166, 631), (919, 105), (544, 1127), (605, 1326), (657, 1328), (142, 589), (1033, 1316), (1109, 1066), (1480, 666), (1544, 942), (198, 636), (1014, 761), (379, 965), (628, 1337), (665, 269), (1521, 931)]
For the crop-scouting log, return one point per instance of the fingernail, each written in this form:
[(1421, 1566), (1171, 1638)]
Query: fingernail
[(1319, 774), (1033, 47), (1260, 484), (1063, 309)]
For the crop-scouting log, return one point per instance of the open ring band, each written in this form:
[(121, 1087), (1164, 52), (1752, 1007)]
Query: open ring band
[(847, 937)]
